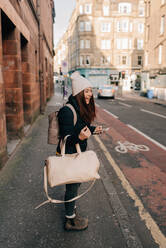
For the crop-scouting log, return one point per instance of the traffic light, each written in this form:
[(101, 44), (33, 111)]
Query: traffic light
[(123, 74)]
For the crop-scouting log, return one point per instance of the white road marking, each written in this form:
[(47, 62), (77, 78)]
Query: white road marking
[(153, 113), (144, 214), (110, 113), (97, 105), (127, 105), (119, 98), (123, 147), (146, 136)]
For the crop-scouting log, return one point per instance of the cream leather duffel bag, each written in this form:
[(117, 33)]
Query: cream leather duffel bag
[(66, 169)]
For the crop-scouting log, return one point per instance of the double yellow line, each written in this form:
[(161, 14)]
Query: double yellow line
[(157, 235)]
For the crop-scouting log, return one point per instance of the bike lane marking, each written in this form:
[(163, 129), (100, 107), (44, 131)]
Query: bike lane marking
[(144, 214)]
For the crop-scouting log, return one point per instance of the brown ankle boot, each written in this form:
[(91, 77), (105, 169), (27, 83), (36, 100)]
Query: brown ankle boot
[(77, 223)]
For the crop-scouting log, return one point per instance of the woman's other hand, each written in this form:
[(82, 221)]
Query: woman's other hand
[(85, 133)]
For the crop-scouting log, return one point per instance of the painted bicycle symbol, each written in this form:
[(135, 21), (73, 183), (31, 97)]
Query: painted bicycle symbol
[(124, 147)]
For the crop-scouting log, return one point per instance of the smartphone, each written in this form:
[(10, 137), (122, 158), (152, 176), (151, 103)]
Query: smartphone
[(103, 130)]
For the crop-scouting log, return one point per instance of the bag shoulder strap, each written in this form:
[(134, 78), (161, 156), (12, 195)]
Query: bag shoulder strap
[(74, 112), (59, 201)]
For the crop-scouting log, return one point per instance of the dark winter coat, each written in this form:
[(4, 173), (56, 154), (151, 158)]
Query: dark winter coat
[(66, 126)]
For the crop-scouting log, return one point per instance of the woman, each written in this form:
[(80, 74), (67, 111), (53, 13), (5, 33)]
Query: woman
[(83, 102)]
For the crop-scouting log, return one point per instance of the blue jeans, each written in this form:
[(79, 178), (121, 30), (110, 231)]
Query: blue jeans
[(71, 192)]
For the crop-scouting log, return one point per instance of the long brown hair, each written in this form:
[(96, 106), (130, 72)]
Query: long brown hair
[(87, 111)]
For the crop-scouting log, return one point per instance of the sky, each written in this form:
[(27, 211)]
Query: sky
[(63, 10)]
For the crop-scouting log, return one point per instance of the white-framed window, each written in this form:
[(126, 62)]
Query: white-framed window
[(81, 26), (139, 61), (160, 54), (118, 59), (81, 60), (130, 43), (88, 8), (106, 10), (105, 44), (87, 44), (105, 27), (124, 8), (81, 44), (162, 24), (81, 9), (140, 44), (122, 43), (140, 27), (87, 26), (123, 26), (105, 60), (118, 43), (131, 27), (124, 60), (87, 60), (141, 11)]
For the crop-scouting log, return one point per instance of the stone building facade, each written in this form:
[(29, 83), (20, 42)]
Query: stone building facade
[(106, 39), (26, 65), (154, 74)]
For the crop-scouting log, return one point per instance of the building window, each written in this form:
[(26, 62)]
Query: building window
[(122, 43), (106, 10), (139, 44), (130, 44), (81, 9), (140, 27), (88, 8), (141, 11), (124, 8), (123, 26), (87, 43), (87, 62), (124, 60), (160, 54), (162, 25), (81, 60), (105, 27), (87, 26), (81, 26), (105, 44), (105, 60), (81, 44), (139, 60)]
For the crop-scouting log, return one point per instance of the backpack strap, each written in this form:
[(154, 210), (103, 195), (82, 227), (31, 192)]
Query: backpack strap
[(59, 201), (74, 112)]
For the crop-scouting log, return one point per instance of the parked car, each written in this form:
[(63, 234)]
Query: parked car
[(106, 91)]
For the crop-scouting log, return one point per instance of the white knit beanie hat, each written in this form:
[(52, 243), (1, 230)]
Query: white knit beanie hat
[(79, 83)]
